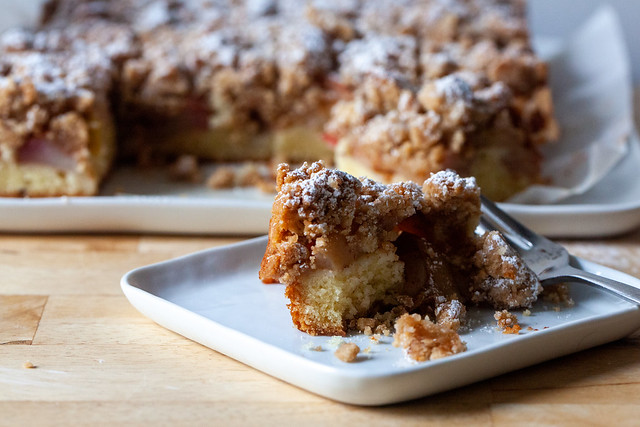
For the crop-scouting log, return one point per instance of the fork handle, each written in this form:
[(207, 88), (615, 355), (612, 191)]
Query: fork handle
[(628, 292)]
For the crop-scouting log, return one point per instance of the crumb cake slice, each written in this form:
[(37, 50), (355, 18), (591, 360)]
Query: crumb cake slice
[(56, 130), (352, 251)]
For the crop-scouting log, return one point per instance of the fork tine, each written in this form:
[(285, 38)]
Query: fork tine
[(487, 224), (518, 242), (496, 219)]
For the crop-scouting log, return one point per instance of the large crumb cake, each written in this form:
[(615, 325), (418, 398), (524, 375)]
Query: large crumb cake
[(357, 254), (391, 89)]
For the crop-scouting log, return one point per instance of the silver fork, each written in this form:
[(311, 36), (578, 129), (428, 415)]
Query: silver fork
[(549, 260)]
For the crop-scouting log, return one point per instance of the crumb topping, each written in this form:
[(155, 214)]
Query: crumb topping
[(422, 87), (385, 56), (291, 49), (449, 182), (504, 280)]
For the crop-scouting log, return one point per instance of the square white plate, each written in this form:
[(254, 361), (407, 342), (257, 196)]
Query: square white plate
[(214, 297)]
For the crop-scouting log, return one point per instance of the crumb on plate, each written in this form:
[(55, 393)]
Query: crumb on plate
[(558, 294), (186, 168), (507, 321), (424, 340), (335, 341), (347, 352)]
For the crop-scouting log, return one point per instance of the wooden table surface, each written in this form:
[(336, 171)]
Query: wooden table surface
[(96, 360)]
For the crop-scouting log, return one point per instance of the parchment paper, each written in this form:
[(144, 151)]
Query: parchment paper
[(592, 90), (593, 97)]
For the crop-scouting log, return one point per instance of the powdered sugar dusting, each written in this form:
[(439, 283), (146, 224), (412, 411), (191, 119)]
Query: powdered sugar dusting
[(519, 286), (153, 15), (256, 8), (330, 201), (59, 75), (454, 89), (384, 56), (316, 191), (450, 179)]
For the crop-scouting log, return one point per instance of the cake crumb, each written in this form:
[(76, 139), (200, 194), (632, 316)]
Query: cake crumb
[(28, 365), (347, 352), (526, 313), (515, 329), (366, 325), (248, 174), (558, 294), (186, 169), (507, 321), (309, 346), (335, 341), (222, 177), (380, 324), (424, 340)]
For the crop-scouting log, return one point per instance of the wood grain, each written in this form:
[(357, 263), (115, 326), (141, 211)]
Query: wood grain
[(19, 318), (98, 361)]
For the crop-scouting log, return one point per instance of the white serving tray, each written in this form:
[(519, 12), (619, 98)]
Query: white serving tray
[(611, 207), (214, 297), (147, 202)]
